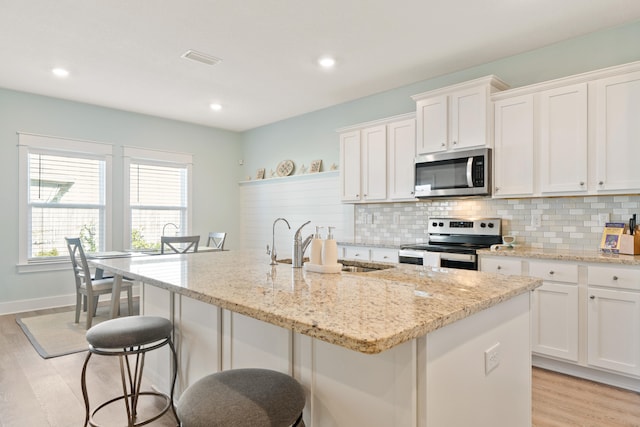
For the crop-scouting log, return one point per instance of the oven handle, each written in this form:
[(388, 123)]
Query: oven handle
[(469, 172), (449, 256)]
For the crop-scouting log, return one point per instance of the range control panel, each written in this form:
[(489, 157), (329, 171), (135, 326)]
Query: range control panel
[(481, 226)]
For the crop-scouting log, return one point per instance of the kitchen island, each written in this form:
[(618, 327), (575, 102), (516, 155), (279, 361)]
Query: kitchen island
[(403, 346)]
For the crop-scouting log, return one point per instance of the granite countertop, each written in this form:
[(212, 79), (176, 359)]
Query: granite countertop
[(366, 312), (563, 255)]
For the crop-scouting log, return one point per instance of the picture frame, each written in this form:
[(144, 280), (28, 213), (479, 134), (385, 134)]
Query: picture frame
[(315, 166), (260, 173)]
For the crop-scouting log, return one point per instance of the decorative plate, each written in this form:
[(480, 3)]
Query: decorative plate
[(285, 168)]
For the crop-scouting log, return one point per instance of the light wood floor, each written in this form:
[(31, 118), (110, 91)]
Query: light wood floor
[(46, 392)]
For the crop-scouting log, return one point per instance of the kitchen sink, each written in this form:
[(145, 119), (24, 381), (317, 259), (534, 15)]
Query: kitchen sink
[(361, 269)]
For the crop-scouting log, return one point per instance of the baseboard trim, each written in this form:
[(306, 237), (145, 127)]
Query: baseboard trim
[(20, 306)]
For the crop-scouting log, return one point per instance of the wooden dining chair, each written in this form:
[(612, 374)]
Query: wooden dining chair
[(88, 289), (179, 244), (216, 240)]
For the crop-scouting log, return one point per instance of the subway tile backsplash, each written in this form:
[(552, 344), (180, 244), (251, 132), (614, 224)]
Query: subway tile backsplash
[(566, 222)]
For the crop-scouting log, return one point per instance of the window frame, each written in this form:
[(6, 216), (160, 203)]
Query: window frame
[(159, 158), (28, 143)]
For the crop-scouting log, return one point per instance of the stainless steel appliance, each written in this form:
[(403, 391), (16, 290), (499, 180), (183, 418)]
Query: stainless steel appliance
[(455, 174), (455, 240)]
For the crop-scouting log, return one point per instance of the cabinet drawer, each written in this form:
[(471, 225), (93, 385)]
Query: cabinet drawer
[(356, 252), (502, 265), (614, 277), (384, 255), (554, 271)]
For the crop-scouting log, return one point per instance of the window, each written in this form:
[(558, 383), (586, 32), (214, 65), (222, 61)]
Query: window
[(158, 196), (63, 193)]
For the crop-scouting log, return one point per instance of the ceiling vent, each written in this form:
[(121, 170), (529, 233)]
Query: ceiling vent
[(201, 57)]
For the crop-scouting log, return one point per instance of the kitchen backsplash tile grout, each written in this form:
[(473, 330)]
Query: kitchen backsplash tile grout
[(567, 222)]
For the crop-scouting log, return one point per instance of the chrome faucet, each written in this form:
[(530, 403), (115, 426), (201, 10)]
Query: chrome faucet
[(299, 246), (272, 251), (169, 223)]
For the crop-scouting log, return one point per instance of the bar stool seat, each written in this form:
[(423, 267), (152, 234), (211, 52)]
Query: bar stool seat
[(124, 337), (243, 397)]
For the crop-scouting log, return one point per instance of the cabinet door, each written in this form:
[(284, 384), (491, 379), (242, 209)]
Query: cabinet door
[(357, 253), (613, 324), (513, 152), (374, 163), (402, 152), (618, 133), (350, 166), (469, 118), (432, 124), (563, 139), (554, 316)]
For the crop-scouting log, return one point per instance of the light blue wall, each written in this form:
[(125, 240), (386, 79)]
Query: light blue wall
[(312, 136), (215, 173)]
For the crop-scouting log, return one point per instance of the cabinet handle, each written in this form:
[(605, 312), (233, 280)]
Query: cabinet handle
[(499, 267), (592, 297), (443, 144), (497, 189), (581, 184), (601, 183), (364, 195), (385, 257), (615, 277), (551, 273), (455, 142)]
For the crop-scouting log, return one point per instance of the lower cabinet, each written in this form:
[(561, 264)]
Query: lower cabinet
[(585, 318), (554, 320)]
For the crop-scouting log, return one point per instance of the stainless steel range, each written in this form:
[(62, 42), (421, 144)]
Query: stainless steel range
[(454, 242)]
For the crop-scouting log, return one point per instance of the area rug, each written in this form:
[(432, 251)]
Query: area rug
[(56, 334)]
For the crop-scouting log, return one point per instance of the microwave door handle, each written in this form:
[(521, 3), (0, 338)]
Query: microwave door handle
[(469, 172)]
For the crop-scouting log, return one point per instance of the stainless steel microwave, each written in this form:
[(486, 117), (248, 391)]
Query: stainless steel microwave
[(454, 174)]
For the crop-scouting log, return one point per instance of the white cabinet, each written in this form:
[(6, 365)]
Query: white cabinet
[(378, 160), (501, 265), (401, 140), (618, 132), (513, 152), (613, 319), (554, 310), (368, 253), (350, 166), (563, 139), (363, 155), (456, 117)]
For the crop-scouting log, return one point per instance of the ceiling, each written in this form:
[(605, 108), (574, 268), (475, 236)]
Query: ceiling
[(127, 54)]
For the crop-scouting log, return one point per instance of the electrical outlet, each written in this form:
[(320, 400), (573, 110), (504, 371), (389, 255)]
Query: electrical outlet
[(603, 218), (536, 220), (491, 358)]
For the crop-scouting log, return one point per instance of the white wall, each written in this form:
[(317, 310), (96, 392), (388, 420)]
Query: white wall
[(215, 176)]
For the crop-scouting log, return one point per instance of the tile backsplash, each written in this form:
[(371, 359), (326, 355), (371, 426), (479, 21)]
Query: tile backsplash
[(566, 222)]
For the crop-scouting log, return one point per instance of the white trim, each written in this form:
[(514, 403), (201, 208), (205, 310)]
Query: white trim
[(30, 142), (384, 121), (158, 155)]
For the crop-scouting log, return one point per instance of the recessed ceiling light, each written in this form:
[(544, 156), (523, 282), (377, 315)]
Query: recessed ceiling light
[(60, 72), (215, 107), (327, 62)]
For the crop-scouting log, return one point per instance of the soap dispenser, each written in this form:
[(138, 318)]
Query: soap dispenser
[(330, 249), (315, 254)]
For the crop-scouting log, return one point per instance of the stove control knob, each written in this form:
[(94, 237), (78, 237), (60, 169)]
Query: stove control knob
[(491, 225), (441, 224), (435, 224), (483, 225)]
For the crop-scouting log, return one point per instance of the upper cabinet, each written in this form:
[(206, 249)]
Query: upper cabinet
[(617, 136), (377, 160), (571, 136), (456, 117)]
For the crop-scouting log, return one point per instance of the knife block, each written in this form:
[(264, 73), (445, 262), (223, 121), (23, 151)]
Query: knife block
[(630, 243)]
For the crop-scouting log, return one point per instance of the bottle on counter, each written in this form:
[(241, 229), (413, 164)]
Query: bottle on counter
[(330, 249), (315, 251)]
